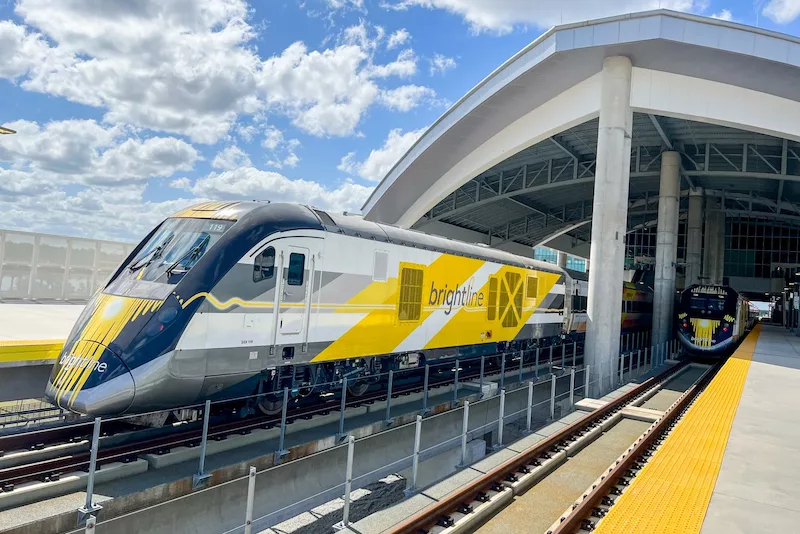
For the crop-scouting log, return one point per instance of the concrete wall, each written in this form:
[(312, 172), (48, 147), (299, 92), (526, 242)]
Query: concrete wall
[(23, 382), (300, 484)]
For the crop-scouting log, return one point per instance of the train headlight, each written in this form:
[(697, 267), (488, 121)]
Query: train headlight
[(165, 316)]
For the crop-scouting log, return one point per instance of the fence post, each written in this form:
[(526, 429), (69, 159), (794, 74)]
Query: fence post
[(621, 367), (200, 477), (529, 409), (521, 360), (455, 386), (502, 370), (480, 380), (586, 370), (551, 359), (639, 362), (464, 426), (425, 389), (281, 452), (90, 507), (341, 435), (572, 387), (91, 522), (389, 398), (501, 421), (348, 480), (536, 367), (251, 493), (552, 396), (415, 459), (574, 353)]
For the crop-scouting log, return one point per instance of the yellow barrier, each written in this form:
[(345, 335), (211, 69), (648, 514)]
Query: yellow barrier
[(20, 351), (672, 491)]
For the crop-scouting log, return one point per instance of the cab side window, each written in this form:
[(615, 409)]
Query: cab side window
[(264, 267), (297, 264)]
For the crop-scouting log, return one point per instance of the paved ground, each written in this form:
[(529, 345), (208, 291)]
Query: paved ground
[(673, 389), (758, 489), (37, 321), (537, 509)]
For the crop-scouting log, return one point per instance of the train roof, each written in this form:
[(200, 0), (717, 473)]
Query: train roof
[(357, 226)]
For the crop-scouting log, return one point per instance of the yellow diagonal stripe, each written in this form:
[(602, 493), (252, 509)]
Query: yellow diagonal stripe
[(671, 494), (704, 330)]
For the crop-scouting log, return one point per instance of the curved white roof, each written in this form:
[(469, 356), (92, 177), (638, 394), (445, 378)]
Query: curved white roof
[(685, 66)]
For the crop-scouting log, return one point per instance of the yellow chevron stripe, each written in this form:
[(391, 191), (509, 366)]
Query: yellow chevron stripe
[(108, 317), (380, 332), (704, 330), (469, 326)]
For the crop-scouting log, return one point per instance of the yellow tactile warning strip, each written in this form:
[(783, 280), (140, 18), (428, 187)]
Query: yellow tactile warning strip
[(672, 492), (23, 350)]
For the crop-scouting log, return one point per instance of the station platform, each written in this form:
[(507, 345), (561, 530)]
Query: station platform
[(33, 333), (731, 465)]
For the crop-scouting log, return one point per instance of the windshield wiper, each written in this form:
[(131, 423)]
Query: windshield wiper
[(191, 254), (153, 255)]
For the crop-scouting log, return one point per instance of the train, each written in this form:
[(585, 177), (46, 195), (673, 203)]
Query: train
[(225, 300), (713, 319)]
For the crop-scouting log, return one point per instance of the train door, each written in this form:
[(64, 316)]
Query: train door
[(299, 272)]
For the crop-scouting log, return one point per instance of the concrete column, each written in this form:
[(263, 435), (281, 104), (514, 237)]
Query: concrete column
[(720, 264), (714, 243), (694, 237), (609, 215), (562, 259), (666, 246)]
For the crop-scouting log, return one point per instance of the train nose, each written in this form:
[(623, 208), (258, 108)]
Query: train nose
[(91, 379)]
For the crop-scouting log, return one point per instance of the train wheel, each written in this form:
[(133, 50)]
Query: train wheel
[(270, 404), (358, 388)]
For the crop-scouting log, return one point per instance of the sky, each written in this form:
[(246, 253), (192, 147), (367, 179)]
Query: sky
[(130, 110)]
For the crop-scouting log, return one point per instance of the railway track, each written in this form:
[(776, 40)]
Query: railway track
[(485, 499), (161, 440)]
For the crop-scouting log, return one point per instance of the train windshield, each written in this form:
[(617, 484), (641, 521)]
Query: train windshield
[(175, 248), (707, 303)]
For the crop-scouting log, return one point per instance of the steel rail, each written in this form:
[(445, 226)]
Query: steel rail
[(427, 517), (573, 522), (52, 468), (39, 438)]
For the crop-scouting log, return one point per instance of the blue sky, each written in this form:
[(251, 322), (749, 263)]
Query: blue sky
[(128, 111)]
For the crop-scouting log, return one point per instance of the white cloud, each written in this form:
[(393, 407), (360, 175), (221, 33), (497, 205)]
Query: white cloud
[(82, 151), (381, 160), (404, 66), (345, 4), (398, 38), (181, 68), (725, 14), (190, 67), (250, 183), (782, 11), (230, 158), (441, 64), (501, 16), (181, 183), (272, 138), (406, 97), (101, 212), (325, 93)]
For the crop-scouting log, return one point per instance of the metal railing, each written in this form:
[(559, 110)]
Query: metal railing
[(580, 379)]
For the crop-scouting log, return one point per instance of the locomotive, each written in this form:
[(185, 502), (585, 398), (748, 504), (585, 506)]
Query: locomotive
[(232, 299), (712, 319)]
